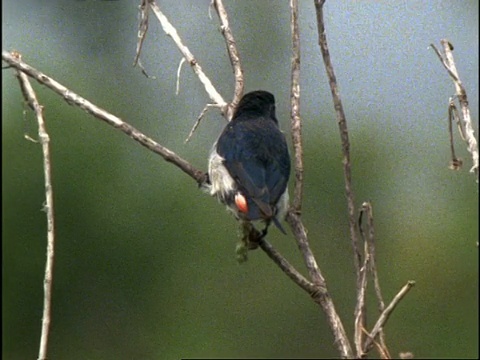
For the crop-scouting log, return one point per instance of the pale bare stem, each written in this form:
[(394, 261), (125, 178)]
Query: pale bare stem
[(31, 99), (455, 163), (296, 123), (233, 55), (177, 89), (142, 34), (170, 30), (321, 295), (360, 306), (342, 125), (74, 99), (142, 29), (286, 267), (371, 254), (449, 63), (382, 320), (200, 117)]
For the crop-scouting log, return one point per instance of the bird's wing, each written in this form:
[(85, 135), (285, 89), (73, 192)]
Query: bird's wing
[(256, 157)]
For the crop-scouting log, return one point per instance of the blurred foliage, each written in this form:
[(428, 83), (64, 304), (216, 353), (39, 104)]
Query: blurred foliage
[(145, 265)]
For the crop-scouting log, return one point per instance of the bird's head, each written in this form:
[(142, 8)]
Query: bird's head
[(257, 102)]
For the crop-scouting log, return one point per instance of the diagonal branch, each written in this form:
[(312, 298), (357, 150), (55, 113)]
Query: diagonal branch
[(172, 32), (380, 324), (74, 99)]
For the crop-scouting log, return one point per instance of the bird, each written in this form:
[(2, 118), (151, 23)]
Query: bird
[(249, 164)]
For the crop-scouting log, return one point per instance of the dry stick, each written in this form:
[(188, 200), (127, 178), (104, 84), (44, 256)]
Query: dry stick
[(449, 64), (380, 324), (142, 33), (170, 30), (296, 124), (370, 240), (361, 308), (74, 99), (233, 55), (31, 99), (288, 269), (342, 124), (455, 163)]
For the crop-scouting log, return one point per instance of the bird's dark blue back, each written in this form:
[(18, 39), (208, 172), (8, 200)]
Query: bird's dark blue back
[(256, 154)]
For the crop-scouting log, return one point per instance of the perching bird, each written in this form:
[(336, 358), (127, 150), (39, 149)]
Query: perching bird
[(249, 165)]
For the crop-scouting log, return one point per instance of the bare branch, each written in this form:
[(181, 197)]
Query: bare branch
[(296, 124), (382, 320), (370, 254), (449, 63), (170, 30), (200, 117), (179, 70), (233, 55), (453, 115), (342, 125), (142, 29), (287, 268), (321, 296), (74, 99), (32, 101)]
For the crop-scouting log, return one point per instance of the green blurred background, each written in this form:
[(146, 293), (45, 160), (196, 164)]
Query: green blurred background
[(145, 265)]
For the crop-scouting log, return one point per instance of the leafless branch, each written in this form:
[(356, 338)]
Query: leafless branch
[(74, 99), (453, 115), (32, 101), (197, 122), (370, 254), (233, 55), (448, 62), (380, 324), (342, 125), (170, 30), (296, 124), (142, 29), (287, 268)]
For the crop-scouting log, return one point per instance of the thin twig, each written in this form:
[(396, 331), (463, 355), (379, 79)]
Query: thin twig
[(342, 125), (455, 163), (197, 122), (286, 267), (170, 30), (321, 297), (372, 268), (233, 55), (75, 99), (449, 63), (32, 101), (380, 324), (296, 124), (179, 70), (142, 29), (361, 307)]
